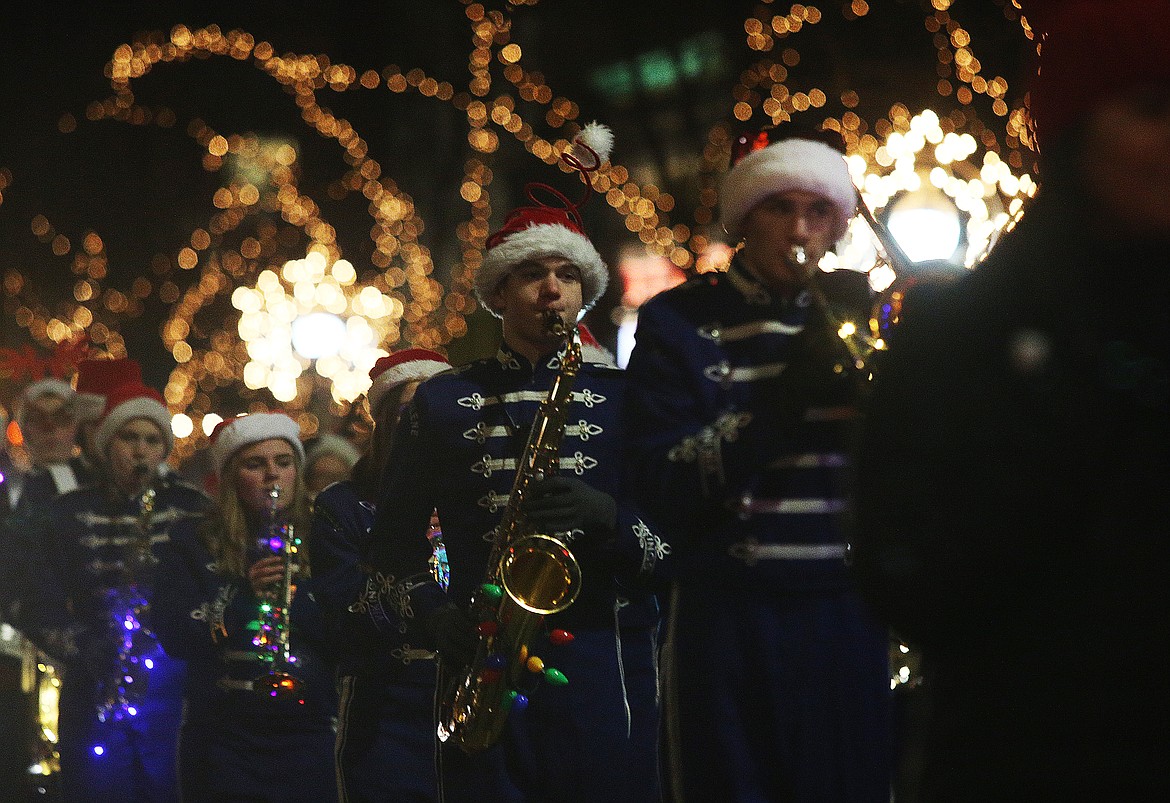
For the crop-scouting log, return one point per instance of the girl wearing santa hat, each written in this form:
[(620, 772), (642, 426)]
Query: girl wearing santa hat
[(237, 602)]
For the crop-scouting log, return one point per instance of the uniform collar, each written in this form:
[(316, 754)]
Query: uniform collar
[(756, 293), (511, 360)]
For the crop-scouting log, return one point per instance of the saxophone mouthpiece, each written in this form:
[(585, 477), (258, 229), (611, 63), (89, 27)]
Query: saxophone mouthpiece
[(555, 323), (797, 256)]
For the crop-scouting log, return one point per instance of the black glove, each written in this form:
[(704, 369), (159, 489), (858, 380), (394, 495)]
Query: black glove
[(561, 504), (454, 635)]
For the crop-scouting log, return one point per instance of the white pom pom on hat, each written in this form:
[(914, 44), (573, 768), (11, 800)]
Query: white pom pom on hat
[(533, 232)]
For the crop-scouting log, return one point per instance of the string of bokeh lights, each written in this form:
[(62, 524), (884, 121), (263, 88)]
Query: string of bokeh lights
[(245, 271)]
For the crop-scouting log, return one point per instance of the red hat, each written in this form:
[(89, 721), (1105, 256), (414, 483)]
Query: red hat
[(591, 348), (408, 365), (233, 434), (1091, 51), (96, 378), (127, 402), (784, 158), (532, 232)]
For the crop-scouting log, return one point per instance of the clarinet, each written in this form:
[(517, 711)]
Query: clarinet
[(272, 638)]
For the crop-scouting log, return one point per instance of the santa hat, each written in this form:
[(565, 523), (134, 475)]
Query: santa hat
[(408, 365), (783, 159), (332, 445), (127, 402), (532, 232), (39, 389), (96, 378), (1090, 51), (233, 434), (592, 350)]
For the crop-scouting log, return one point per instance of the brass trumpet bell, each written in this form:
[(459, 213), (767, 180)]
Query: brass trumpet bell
[(540, 574)]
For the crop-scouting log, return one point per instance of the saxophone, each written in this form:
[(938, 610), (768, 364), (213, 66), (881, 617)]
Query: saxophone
[(272, 637), (529, 576)]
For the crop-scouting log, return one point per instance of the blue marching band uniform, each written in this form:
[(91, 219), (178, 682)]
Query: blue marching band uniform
[(385, 746), (89, 588), (208, 618), (738, 446), (457, 451)]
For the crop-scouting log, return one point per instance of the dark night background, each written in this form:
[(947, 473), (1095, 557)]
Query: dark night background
[(143, 190)]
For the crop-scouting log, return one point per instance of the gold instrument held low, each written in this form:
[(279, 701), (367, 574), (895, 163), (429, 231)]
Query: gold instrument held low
[(121, 689), (530, 575)]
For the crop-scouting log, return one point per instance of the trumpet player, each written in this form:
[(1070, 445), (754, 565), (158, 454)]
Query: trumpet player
[(457, 450), (739, 408), (258, 725), (121, 698)]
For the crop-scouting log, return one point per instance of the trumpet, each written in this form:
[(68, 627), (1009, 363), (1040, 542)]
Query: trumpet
[(857, 345)]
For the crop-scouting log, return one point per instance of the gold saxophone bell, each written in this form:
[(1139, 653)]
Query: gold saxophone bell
[(529, 575), (540, 574)]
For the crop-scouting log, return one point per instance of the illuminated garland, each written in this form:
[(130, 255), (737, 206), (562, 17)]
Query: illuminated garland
[(240, 241)]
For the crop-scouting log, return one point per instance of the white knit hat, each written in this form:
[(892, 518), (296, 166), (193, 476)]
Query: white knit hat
[(50, 386), (233, 434), (408, 365), (542, 230), (790, 164), (335, 445), (124, 404)]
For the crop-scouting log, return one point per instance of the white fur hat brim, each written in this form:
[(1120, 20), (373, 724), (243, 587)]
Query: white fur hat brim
[(543, 240), (42, 387), (413, 371), (332, 445), (254, 428), (127, 411), (791, 164)]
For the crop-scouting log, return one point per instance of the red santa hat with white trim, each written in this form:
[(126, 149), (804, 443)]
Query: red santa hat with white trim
[(127, 402), (96, 378), (787, 157), (233, 434), (408, 365), (49, 386), (541, 230)]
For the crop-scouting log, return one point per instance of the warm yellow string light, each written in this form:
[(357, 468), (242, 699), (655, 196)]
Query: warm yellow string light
[(238, 240)]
